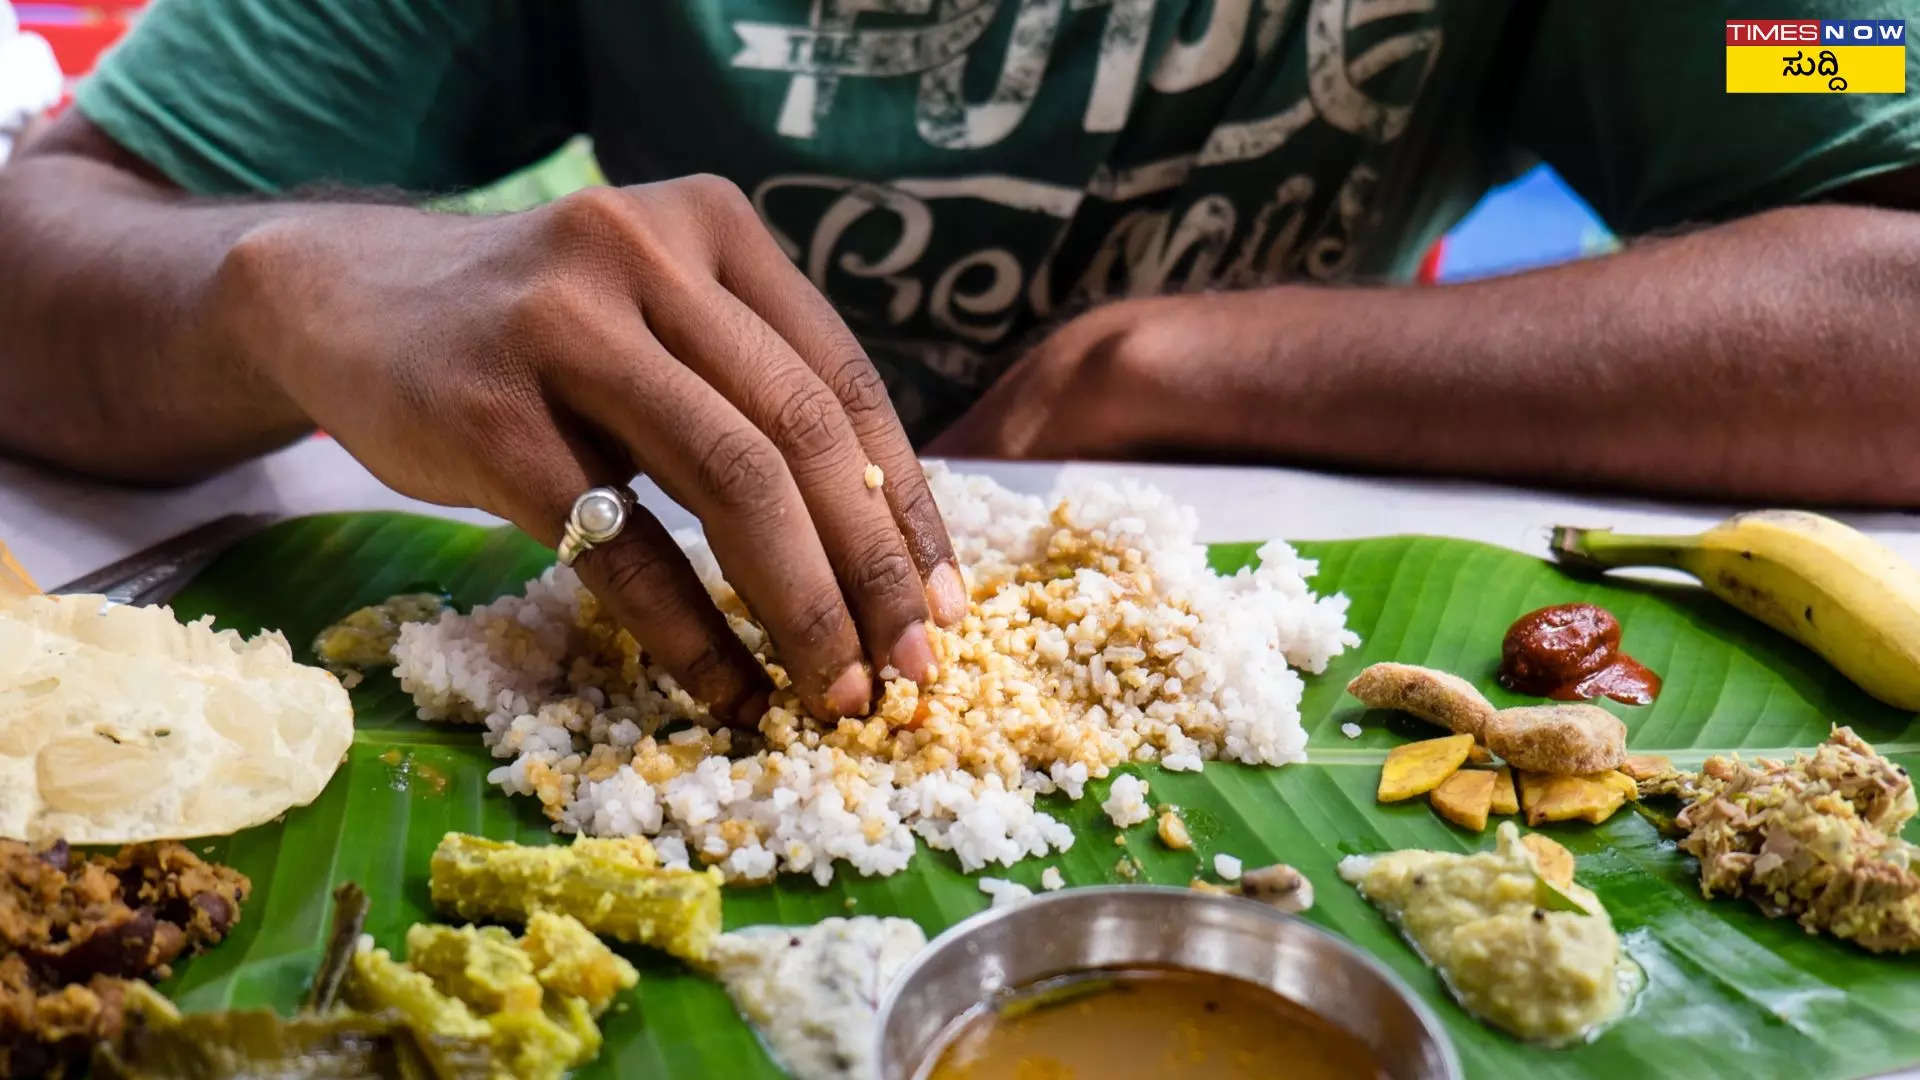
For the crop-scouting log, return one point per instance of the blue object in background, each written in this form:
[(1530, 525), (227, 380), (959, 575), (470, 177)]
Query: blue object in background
[(1532, 221)]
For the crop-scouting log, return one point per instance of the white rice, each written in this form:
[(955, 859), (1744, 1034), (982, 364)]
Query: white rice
[(1350, 730), (1004, 892), (1227, 866), (1050, 879), (1097, 636), (1126, 803)]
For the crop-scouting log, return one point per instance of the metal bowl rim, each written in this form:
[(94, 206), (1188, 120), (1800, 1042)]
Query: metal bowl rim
[(1450, 1057)]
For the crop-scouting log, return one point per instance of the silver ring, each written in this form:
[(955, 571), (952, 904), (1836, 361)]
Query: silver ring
[(597, 516)]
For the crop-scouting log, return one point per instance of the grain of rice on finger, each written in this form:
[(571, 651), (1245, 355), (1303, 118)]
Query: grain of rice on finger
[(1097, 635)]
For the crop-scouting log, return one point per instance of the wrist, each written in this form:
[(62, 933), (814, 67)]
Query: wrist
[(243, 312), (1178, 371)]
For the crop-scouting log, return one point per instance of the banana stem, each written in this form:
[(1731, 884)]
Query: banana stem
[(1599, 550)]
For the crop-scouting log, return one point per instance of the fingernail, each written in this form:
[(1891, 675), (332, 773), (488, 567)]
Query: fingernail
[(851, 693), (913, 654), (747, 716), (946, 594)]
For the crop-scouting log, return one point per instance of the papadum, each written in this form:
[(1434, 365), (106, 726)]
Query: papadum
[(120, 724)]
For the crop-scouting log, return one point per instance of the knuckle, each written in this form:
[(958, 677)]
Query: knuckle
[(591, 214), (915, 501), (818, 621), (807, 424), (882, 569), (701, 667), (256, 256), (716, 193), (741, 471), (629, 568), (543, 313), (721, 206), (599, 232), (859, 385)]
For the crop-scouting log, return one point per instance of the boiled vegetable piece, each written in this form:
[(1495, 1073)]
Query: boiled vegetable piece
[(543, 1043), (1465, 797), (1505, 799), (570, 959), (1416, 768), (1593, 797), (377, 983), (611, 886), (482, 966), (1479, 755)]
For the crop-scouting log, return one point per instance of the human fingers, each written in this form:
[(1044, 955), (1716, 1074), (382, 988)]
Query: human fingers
[(710, 459), (753, 268), (721, 339), (641, 575)]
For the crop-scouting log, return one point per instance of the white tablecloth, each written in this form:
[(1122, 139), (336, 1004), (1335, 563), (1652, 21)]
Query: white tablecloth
[(61, 527)]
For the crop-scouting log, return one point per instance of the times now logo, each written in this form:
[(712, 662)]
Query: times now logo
[(1816, 32)]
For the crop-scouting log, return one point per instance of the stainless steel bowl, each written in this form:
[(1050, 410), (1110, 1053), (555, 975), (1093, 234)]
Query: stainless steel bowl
[(1132, 926)]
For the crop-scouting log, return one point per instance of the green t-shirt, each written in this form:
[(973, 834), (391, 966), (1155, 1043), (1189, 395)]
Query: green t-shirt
[(953, 173)]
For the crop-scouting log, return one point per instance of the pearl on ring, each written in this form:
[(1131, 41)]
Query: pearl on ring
[(597, 516), (600, 515)]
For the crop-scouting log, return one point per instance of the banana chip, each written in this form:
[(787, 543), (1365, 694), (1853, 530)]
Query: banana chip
[(119, 724)]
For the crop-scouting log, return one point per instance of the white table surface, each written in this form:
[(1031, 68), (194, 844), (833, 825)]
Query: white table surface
[(61, 527)]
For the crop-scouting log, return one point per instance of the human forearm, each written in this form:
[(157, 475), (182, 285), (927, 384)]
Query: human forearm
[(1772, 358), (112, 359)]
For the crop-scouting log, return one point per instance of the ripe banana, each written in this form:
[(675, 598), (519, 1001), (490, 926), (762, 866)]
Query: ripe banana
[(1822, 583)]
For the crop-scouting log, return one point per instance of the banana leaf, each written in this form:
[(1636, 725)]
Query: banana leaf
[(1729, 992)]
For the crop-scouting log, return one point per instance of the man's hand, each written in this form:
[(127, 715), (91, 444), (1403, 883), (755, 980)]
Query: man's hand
[(511, 363), (1769, 359), (1076, 393), (508, 363)]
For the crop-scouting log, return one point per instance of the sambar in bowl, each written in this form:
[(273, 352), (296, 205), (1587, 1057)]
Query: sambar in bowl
[(1132, 981)]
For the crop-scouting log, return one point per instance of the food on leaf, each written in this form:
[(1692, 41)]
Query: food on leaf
[(78, 931), (120, 724), (364, 638), (571, 959), (1646, 766), (378, 983), (350, 907), (1479, 755), (1505, 799), (813, 991), (1571, 652), (1560, 739), (1096, 635), (1552, 975), (1160, 1023), (1553, 860), (1816, 839), (1592, 798), (612, 885), (1416, 768), (161, 1044), (469, 1002), (482, 965), (1173, 829), (1825, 584), (1465, 798), (1438, 697), (1278, 885)]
